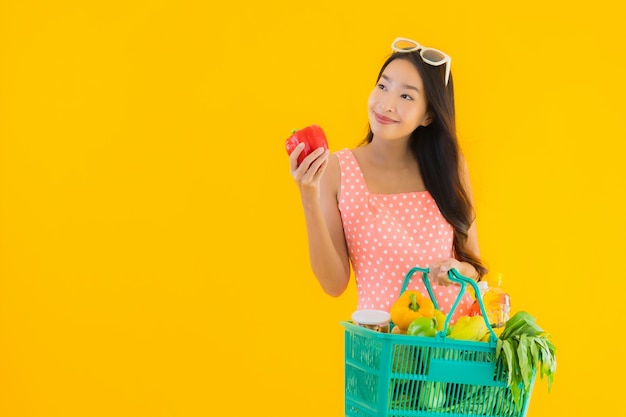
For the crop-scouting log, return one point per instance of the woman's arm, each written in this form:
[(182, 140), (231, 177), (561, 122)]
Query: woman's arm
[(318, 178)]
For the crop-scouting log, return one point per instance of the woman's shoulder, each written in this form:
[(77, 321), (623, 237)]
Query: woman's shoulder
[(331, 178), (338, 159)]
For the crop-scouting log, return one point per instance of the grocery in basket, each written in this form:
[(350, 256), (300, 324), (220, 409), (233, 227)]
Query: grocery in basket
[(420, 369)]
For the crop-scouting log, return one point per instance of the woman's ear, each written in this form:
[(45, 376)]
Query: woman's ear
[(428, 118)]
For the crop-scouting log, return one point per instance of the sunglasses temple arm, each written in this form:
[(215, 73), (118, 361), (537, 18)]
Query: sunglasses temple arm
[(448, 70)]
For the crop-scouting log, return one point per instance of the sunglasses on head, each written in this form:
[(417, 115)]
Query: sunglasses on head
[(430, 56)]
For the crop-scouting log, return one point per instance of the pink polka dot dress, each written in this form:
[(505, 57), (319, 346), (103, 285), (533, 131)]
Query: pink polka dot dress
[(387, 235)]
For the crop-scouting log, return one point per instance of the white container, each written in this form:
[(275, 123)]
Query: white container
[(377, 320)]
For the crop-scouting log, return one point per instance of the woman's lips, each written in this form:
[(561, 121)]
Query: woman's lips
[(383, 119)]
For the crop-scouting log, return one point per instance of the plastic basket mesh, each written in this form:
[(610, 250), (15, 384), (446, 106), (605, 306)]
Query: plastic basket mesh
[(396, 376)]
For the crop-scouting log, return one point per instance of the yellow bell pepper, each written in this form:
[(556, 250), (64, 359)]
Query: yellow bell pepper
[(440, 318), (409, 306)]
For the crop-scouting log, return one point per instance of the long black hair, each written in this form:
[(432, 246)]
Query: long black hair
[(437, 152)]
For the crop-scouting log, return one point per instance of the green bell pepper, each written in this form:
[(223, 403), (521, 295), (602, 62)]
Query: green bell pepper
[(422, 326)]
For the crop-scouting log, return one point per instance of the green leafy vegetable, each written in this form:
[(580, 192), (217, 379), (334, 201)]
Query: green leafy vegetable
[(525, 349), (432, 395)]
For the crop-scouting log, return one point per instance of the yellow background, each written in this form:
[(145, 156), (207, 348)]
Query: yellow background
[(153, 257)]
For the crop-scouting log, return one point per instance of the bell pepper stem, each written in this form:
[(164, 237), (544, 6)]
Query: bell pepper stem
[(414, 306)]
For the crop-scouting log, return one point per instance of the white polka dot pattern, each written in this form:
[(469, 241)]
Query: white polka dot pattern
[(387, 235)]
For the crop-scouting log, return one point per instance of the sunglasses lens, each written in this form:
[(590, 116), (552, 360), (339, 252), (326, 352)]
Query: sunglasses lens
[(405, 45), (433, 56)]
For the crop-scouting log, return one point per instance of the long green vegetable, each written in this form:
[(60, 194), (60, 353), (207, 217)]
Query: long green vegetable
[(525, 349)]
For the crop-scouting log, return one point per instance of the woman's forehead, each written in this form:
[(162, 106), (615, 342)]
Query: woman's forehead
[(402, 71)]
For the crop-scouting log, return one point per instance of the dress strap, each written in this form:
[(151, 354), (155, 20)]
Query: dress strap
[(351, 174)]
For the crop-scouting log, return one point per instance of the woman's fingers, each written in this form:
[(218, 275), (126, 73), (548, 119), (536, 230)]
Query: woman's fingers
[(440, 270), (316, 160), (311, 167), (293, 157)]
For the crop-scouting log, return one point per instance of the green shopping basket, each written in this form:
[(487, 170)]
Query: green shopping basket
[(395, 375)]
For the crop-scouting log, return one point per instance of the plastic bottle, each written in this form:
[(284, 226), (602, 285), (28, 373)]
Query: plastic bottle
[(497, 302), (483, 286)]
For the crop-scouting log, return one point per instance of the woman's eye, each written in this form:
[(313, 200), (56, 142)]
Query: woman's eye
[(406, 96), (381, 86)]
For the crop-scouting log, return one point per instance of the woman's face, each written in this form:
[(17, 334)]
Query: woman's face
[(397, 105)]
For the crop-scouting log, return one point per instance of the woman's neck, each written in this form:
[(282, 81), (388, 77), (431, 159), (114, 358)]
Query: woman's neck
[(390, 154)]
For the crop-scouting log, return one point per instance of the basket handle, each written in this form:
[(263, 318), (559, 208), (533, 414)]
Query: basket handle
[(424, 272), (456, 277)]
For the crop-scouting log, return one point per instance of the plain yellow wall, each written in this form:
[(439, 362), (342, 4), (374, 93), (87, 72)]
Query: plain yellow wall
[(153, 256)]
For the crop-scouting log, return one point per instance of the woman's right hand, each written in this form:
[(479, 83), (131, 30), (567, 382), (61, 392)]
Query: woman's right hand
[(308, 174), (318, 177)]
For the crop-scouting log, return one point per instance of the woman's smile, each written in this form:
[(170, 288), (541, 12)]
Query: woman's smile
[(384, 120)]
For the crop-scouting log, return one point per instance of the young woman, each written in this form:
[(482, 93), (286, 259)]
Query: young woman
[(402, 198)]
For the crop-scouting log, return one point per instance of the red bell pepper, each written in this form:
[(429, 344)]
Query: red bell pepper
[(475, 310), (312, 136)]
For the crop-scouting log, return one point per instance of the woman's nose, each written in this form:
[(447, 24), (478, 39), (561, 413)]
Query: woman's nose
[(387, 105)]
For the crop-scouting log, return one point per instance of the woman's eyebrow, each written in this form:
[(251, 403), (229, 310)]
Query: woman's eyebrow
[(407, 86)]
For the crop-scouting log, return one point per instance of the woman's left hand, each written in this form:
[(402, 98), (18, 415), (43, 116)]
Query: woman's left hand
[(439, 271)]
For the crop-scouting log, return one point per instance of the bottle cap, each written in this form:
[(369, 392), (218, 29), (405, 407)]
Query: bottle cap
[(495, 280)]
